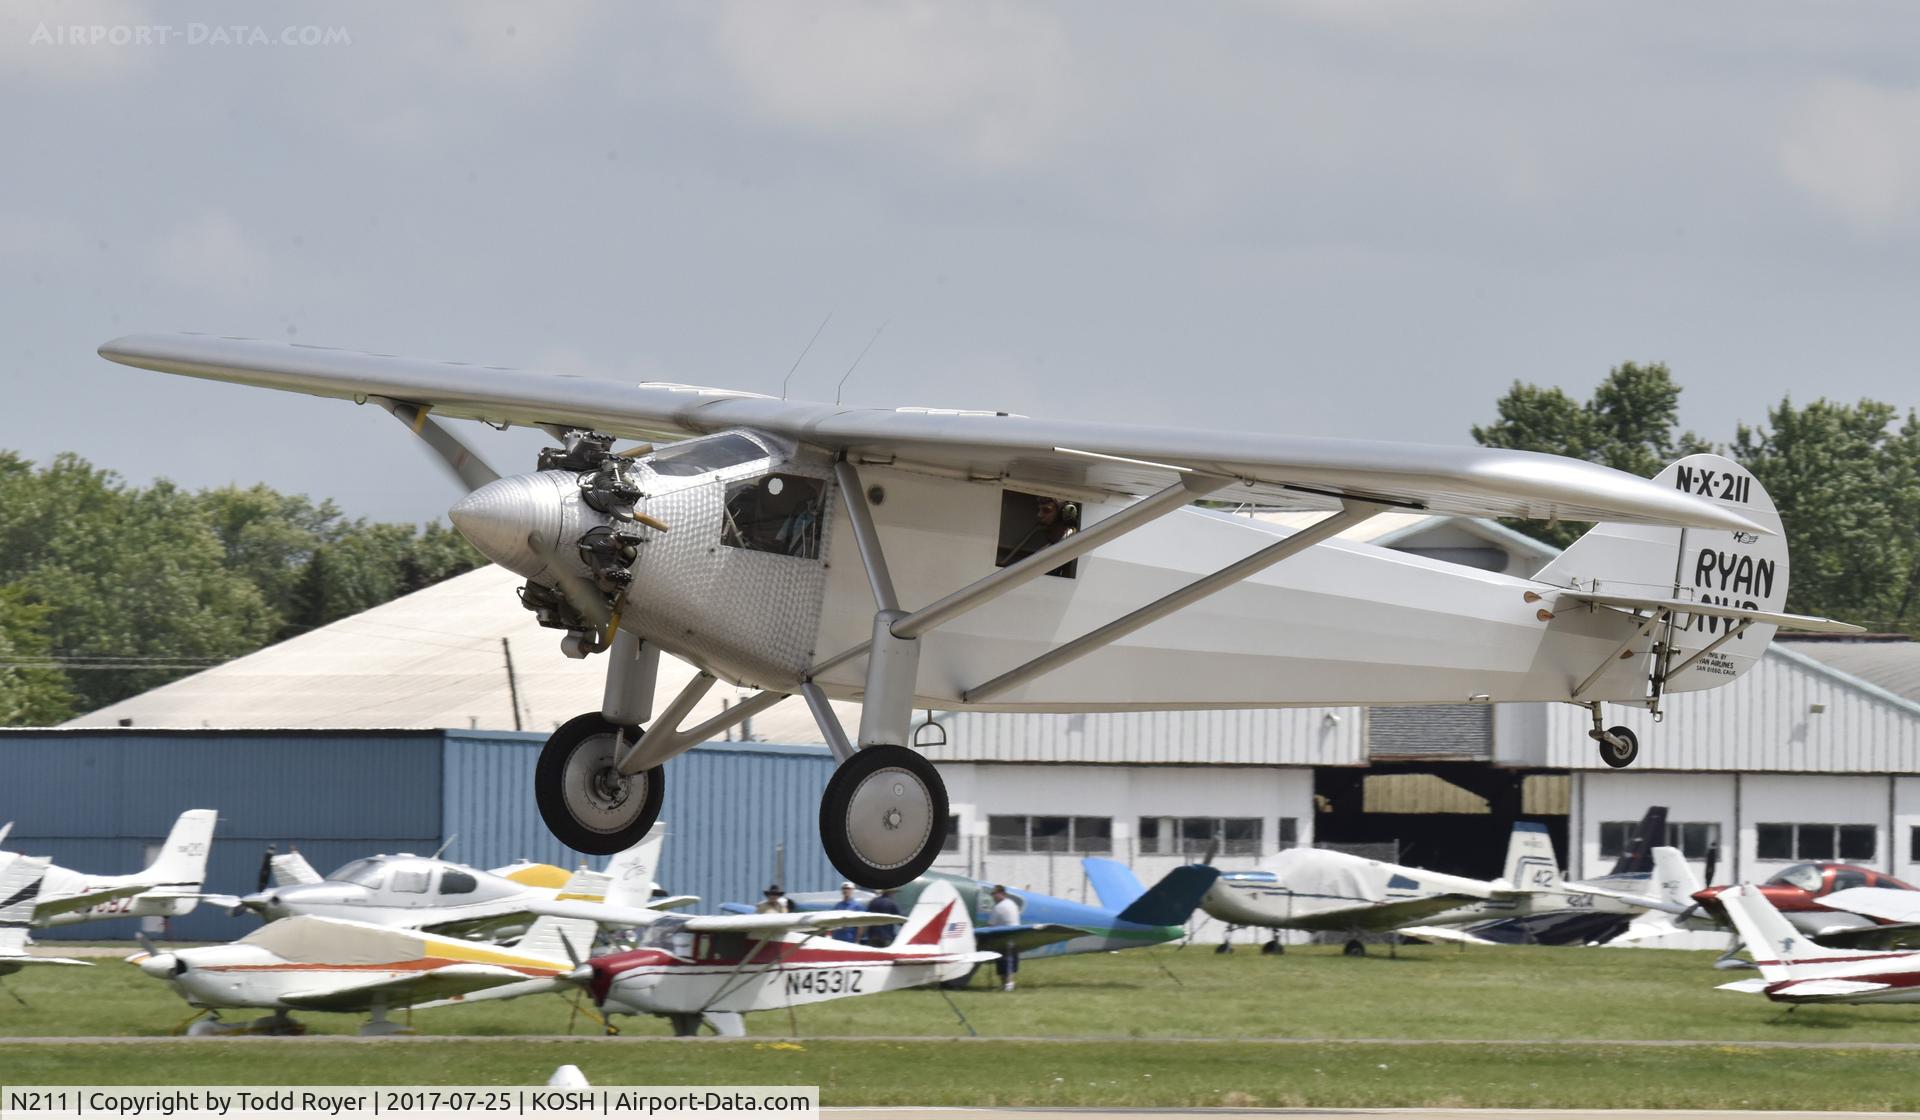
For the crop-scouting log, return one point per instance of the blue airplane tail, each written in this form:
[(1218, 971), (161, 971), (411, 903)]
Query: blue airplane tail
[(1170, 902), (1114, 883)]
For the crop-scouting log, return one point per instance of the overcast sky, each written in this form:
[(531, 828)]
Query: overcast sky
[(1322, 217)]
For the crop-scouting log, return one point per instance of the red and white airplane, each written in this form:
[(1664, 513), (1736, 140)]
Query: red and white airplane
[(1793, 969), (694, 970), (1833, 903)]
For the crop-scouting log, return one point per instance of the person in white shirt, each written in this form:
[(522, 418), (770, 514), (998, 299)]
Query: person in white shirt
[(1006, 912)]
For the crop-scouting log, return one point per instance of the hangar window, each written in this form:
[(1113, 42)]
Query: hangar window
[(1031, 522), (1288, 834), (456, 882), (778, 513), (1195, 836), (699, 456), (1050, 834), (1913, 845), (952, 842), (1693, 838), (1854, 843)]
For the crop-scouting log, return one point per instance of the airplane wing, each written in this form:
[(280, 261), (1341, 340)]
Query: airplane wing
[(672, 901), (1829, 987), (1024, 939), (1882, 903), (433, 984), (816, 920), (9, 962), (1380, 916), (47, 907), (1905, 935), (1443, 933), (1806, 623), (1297, 472)]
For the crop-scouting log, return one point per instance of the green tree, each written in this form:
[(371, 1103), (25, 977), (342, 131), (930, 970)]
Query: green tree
[(1629, 424), (34, 691), (1847, 484)]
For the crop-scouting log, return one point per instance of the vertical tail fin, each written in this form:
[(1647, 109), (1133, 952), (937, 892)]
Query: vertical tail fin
[(182, 863), (1780, 950), (20, 879), (937, 922), (1531, 865), (1718, 566), (631, 875), (1114, 884), (1637, 854), (1673, 877), (292, 870), (560, 939)]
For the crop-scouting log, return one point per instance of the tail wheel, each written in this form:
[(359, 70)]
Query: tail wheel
[(587, 803), (883, 818), (1620, 747)]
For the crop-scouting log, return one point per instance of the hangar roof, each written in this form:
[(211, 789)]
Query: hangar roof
[(1890, 661)]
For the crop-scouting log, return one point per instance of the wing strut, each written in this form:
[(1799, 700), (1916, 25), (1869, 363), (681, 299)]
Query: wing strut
[(1352, 513)]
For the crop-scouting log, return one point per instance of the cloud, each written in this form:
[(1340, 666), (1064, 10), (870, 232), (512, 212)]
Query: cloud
[(1855, 149), (987, 84), (210, 252)]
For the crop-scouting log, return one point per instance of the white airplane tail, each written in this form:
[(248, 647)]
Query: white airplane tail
[(20, 879), (631, 874), (1717, 566), (292, 870), (181, 866), (938, 923), (1781, 951), (1531, 865), (1673, 879)]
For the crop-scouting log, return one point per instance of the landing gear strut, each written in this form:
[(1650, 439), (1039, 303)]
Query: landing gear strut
[(587, 803)]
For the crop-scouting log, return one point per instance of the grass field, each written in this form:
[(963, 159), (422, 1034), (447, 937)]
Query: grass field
[(1532, 1027)]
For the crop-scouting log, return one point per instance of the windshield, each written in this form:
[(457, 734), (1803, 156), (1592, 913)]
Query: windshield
[(1803, 875), (361, 872), (669, 934), (699, 456)]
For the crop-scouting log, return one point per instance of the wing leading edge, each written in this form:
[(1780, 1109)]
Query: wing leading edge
[(1299, 472)]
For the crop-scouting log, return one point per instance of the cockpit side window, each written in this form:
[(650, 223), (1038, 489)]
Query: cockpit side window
[(1845, 880), (410, 882), (456, 882), (701, 456), (1031, 522), (778, 513)]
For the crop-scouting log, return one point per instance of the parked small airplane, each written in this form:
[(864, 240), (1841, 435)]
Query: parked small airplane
[(330, 964), (1332, 892), (1130, 915), (1795, 970), (169, 888), (406, 891), (742, 549), (711, 970), (20, 882), (1814, 898)]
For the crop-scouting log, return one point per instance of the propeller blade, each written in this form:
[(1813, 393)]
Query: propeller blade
[(468, 468), (266, 869), (573, 955), (1213, 849), (147, 943), (1713, 862)]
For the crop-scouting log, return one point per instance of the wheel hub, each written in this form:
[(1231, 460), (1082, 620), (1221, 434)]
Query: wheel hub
[(888, 817), (597, 794)]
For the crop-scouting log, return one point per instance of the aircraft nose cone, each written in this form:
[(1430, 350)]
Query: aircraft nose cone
[(160, 966), (514, 522)]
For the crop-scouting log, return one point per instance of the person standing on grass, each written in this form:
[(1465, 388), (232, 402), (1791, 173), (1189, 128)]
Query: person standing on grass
[(1006, 912), (883, 903), (847, 902)]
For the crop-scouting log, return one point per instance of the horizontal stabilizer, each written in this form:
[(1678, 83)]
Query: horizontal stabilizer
[(1024, 939), (1800, 988), (1755, 986), (47, 908), (1444, 933), (1806, 623)]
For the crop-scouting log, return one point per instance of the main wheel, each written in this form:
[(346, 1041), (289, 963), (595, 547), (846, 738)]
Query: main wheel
[(1273, 948), (1620, 748), (1355, 948), (587, 803), (883, 818)]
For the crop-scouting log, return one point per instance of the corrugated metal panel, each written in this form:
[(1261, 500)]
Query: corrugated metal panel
[(1267, 736), (1765, 721), (1457, 732), (265, 784), (727, 805)]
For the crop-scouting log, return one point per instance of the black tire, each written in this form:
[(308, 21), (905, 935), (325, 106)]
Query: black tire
[(961, 983), (1355, 948), (1625, 753), (854, 805), (623, 820), (1223, 947), (1273, 948)]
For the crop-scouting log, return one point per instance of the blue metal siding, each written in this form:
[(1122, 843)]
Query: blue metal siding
[(727, 805)]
